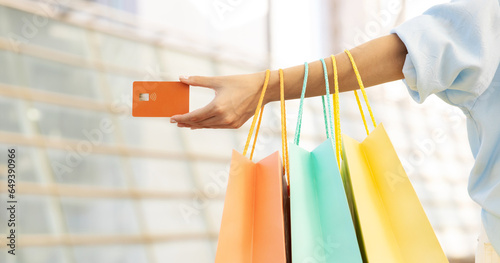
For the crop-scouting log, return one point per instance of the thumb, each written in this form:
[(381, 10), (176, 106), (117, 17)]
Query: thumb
[(200, 81)]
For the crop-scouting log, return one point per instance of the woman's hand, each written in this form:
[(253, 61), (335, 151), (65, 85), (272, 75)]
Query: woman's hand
[(236, 98), (380, 60)]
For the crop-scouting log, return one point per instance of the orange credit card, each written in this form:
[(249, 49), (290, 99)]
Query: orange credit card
[(159, 98)]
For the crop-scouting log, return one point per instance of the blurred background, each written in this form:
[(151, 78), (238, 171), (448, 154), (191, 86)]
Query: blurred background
[(96, 185)]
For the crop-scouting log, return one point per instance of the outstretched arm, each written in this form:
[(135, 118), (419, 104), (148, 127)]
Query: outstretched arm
[(380, 60)]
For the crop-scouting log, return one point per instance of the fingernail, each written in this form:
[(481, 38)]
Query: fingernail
[(172, 121), (184, 77)]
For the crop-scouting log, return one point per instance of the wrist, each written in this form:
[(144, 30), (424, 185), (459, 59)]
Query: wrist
[(273, 87)]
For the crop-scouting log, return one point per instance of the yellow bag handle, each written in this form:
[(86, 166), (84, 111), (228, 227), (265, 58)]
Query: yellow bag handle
[(284, 144), (336, 111), (362, 87), (258, 115)]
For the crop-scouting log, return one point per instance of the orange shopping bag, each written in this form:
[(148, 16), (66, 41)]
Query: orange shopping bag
[(255, 220)]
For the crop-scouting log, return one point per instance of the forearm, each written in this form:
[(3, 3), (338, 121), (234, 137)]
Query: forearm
[(380, 60)]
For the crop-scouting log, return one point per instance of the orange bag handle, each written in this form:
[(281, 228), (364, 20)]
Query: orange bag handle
[(258, 116)]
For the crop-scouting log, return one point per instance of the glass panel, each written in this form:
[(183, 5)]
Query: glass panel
[(11, 119), (100, 216), (224, 68), (42, 255), (248, 40), (28, 166), (63, 122), (28, 206), (212, 177), (121, 92), (3, 215), (38, 30), (56, 77), (123, 52), (214, 245), (111, 254), (70, 167), (162, 175), (214, 212), (177, 63), (151, 133), (174, 216), (11, 72), (3, 21), (181, 25), (203, 142), (182, 251)]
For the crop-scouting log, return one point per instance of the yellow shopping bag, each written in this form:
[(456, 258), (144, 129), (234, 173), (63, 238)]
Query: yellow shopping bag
[(390, 222)]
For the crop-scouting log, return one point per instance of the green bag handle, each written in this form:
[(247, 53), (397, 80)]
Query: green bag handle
[(327, 115)]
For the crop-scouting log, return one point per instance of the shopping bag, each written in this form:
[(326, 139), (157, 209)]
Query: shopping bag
[(321, 223), (390, 222), (254, 227)]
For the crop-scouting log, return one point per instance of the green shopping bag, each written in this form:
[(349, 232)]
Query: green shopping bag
[(321, 223)]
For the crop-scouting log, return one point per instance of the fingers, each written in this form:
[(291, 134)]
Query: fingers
[(201, 81), (199, 114), (220, 121), (215, 122), (204, 127), (227, 110), (195, 116)]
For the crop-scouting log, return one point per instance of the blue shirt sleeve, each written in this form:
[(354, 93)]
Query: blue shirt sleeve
[(452, 50)]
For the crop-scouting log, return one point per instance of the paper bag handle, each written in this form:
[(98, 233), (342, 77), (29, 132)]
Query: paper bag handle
[(336, 111), (258, 115), (284, 144), (362, 87), (327, 117), (329, 124), (301, 106)]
